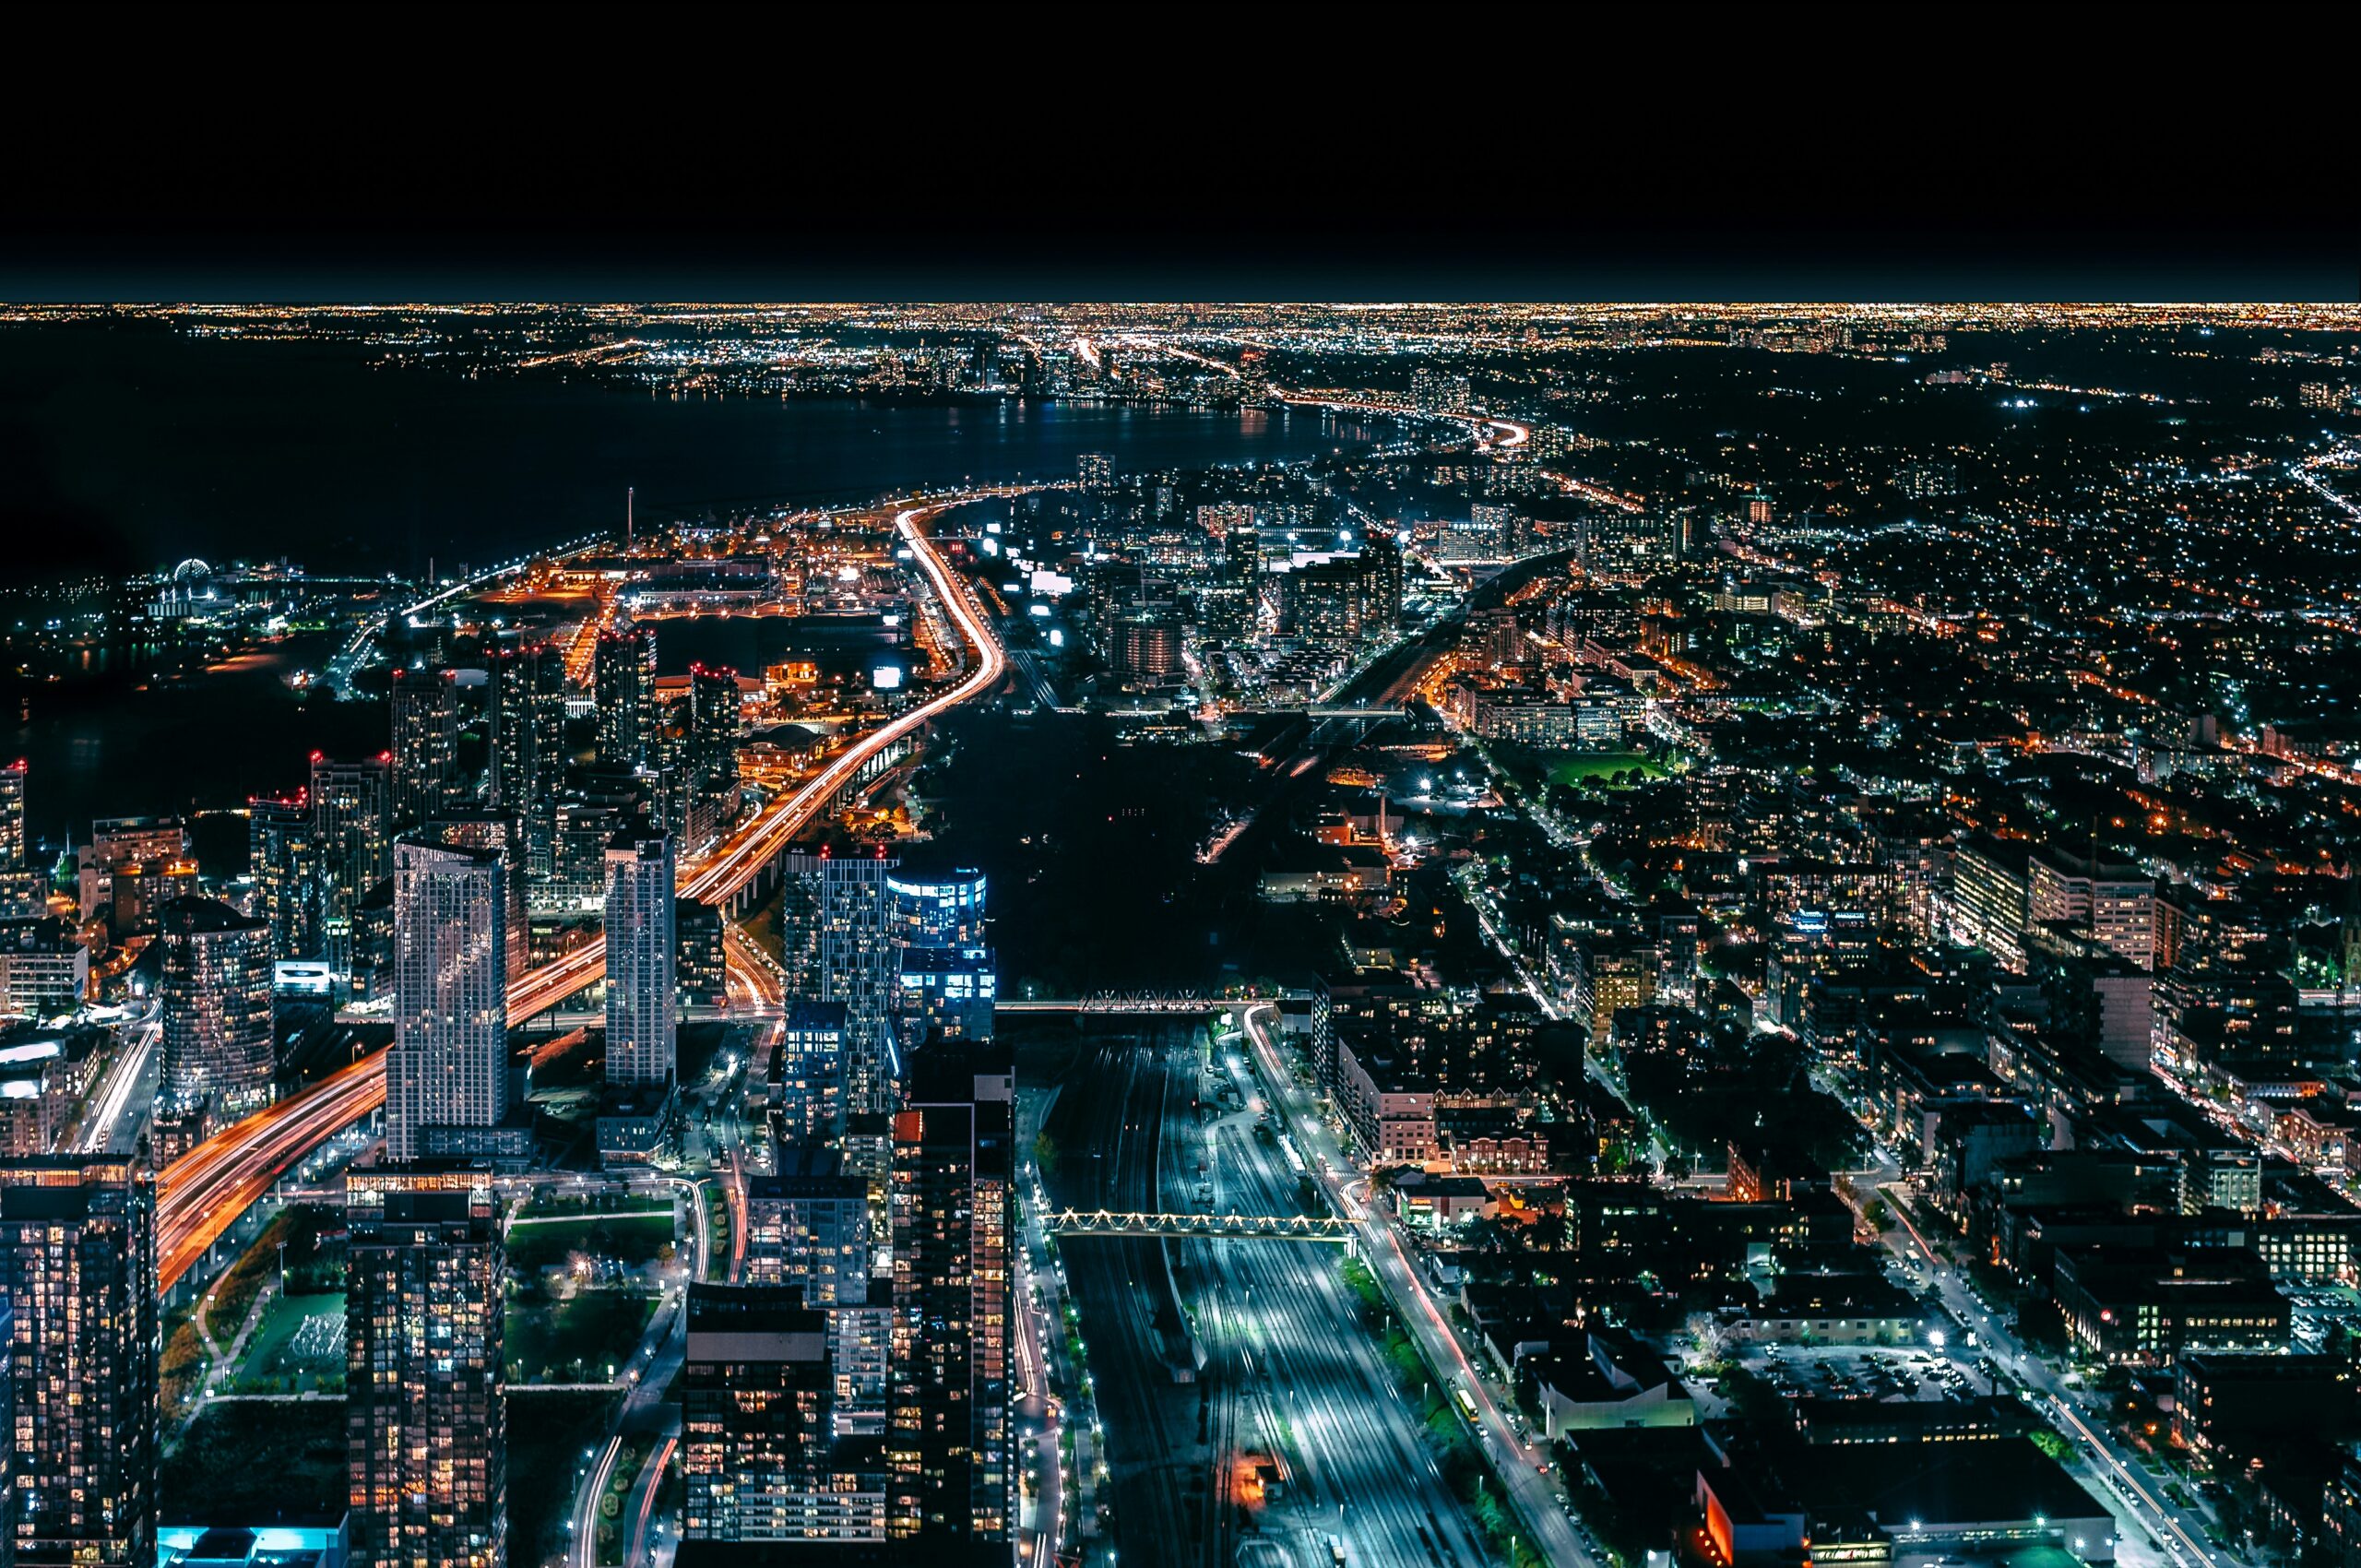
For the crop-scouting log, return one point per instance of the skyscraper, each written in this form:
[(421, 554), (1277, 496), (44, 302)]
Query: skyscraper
[(945, 972), (642, 997), (11, 813), (19, 882), (701, 967), (448, 1066), (352, 847), (467, 828), (280, 858), (8, 1506), (1242, 554), (426, 1437), (713, 733), (1380, 585), (426, 743), (78, 1246), (953, 1219), (842, 950), (624, 671), (807, 1225), (221, 1058), (1320, 601), (759, 1444), (528, 767), (948, 993), (937, 908), (808, 1074)]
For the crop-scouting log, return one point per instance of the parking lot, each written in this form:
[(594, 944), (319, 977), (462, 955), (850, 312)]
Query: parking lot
[(1848, 1372), (2314, 1310)]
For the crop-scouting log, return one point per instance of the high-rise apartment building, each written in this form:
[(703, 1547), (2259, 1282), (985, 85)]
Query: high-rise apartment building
[(470, 828), (937, 908), (2113, 905), (1989, 900), (807, 1225), (220, 1057), (840, 909), (760, 1447), (623, 673), (425, 1417), (1241, 554), (448, 1064), (944, 967), (808, 1074), (10, 1507), (1381, 586), (527, 726), (713, 734), (12, 813), (426, 744), (643, 998), (701, 967), (953, 1166), (948, 993), (1320, 601), (77, 1244), (351, 849), (280, 859), (19, 881)]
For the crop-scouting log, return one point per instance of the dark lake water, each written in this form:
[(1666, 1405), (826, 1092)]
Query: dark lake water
[(134, 445)]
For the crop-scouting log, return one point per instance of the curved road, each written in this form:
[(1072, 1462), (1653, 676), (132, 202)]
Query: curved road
[(202, 1194)]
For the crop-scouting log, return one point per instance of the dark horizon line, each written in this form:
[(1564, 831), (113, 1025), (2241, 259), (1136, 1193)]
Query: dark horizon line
[(1832, 298), (1765, 268)]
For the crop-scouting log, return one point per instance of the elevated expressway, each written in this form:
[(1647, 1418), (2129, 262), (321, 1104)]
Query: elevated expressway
[(201, 1195)]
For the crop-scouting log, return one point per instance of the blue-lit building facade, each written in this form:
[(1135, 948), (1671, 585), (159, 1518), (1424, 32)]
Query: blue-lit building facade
[(947, 993), (937, 910), (808, 1074), (945, 971)]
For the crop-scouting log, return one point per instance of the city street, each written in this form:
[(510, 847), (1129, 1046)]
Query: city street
[(2150, 1521)]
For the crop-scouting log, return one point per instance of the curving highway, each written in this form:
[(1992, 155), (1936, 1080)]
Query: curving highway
[(202, 1194)]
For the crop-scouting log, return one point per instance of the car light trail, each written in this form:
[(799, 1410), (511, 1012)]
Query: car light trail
[(201, 1195)]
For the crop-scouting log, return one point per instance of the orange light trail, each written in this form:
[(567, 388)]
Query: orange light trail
[(201, 1195)]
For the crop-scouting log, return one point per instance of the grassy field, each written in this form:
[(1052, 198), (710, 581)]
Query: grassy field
[(576, 1340), (1601, 765), (282, 1358), (629, 1239)]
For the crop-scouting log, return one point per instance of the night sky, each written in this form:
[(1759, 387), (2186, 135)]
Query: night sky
[(1347, 154)]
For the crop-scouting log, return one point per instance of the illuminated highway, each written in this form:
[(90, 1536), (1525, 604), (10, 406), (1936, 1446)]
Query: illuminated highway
[(202, 1194), (752, 971), (115, 1093)]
